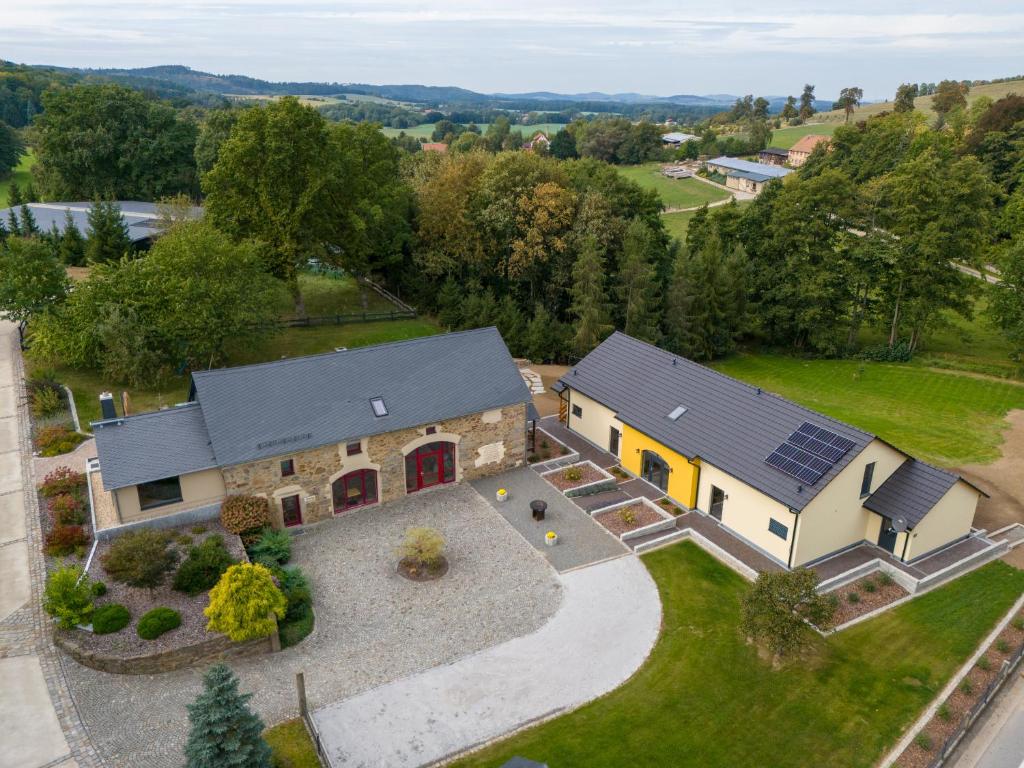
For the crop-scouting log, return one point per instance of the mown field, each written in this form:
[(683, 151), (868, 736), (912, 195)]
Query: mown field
[(677, 223), (674, 193), (705, 698), (924, 103), (423, 131), (787, 137), (22, 175)]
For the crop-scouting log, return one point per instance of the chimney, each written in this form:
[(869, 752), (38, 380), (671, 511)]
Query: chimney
[(107, 409)]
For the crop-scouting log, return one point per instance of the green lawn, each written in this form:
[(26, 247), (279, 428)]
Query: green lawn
[(676, 223), (291, 745), (326, 295), (22, 174), (787, 137), (675, 193), (704, 698), (292, 342), (944, 417), (423, 131)]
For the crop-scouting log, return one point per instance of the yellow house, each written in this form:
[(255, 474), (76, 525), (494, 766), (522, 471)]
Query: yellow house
[(797, 485)]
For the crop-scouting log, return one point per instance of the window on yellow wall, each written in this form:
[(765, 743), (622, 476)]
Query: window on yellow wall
[(778, 528), (577, 412)]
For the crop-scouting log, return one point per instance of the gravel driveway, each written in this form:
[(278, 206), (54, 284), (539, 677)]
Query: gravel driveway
[(372, 625)]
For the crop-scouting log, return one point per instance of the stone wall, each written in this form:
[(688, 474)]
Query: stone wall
[(486, 443), (215, 649)]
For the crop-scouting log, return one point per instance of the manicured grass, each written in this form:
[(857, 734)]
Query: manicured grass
[(944, 417), (788, 136), (291, 745), (675, 193), (327, 295), (423, 131), (22, 174), (292, 342), (704, 698)]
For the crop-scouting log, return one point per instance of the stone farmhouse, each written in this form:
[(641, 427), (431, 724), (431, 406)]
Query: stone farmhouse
[(320, 435), (795, 484)]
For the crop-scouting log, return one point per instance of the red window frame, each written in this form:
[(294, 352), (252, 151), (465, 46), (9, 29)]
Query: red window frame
[(286, 502), (287, 467), (359, 478), (353, 449), (444, 452)]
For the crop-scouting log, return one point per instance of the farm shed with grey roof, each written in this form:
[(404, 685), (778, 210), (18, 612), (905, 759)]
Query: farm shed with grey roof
[(139, 217)]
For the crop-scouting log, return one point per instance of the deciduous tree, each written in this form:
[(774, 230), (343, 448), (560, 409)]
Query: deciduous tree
[(775, 608), (31, 279), (849, 100), (949, 94)]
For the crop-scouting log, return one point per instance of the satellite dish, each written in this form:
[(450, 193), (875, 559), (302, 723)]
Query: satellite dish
[(899, 524)]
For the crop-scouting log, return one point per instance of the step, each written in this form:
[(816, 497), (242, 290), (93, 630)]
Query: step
[(656, 540)]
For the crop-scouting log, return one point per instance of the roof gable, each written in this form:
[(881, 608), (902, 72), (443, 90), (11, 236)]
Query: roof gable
[(911, 491), (727, 423), (809, 142)]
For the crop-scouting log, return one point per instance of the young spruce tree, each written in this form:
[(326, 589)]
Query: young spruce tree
[(638, 292), (108, 235), (589, 303), (72, 245), (224, 731)]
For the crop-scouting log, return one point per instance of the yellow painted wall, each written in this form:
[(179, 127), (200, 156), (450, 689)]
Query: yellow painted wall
[(682, 480), (835, 518), (198, 489), (950, 519), (747, 511), (596, 422)]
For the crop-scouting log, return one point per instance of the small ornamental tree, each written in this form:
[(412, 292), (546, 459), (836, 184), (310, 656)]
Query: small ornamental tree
[(422, 546), (140, 558), (775, 608), (243, 513), (68, 596), (224, 732), (244, 603)]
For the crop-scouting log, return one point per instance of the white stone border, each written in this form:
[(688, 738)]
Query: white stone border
[(667, 522), (606, 476), (704, 543), (945, 693)]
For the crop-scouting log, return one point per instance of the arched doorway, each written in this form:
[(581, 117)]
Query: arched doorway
[(430, 464), (354, 489), (654, 470)]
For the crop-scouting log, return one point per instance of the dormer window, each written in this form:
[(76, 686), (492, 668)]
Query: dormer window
[(379, 409)]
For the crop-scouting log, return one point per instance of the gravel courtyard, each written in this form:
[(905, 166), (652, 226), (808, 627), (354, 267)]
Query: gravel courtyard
[(372, 626)]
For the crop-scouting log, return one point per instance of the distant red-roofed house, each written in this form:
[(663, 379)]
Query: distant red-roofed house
[(800, 151), (435, 146), (540, 139)]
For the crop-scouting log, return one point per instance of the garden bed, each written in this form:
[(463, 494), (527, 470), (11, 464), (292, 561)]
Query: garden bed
[(192, 631), (867, 594), (576, 479), (547, 448), (66, 510), (629, 517), (967, 697), (53, 424)]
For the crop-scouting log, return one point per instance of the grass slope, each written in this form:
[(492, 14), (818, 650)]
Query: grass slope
[(677, 223), (674, 193), (785, 138), (704, 698), (22, 174), (944, 417), (994, 91)]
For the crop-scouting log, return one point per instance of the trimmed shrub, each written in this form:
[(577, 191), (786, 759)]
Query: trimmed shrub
[(203, 567), (56, 440), (627, 516), (140, 558), (67, 509), (63, 540), (62, 480), (68, 596), (110, 618), (99, 589), (244, 513), (272, 546), (244, 602), (572, 474), (158, 621)]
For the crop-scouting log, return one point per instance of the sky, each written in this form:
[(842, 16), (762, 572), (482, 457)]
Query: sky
[(659, 47)]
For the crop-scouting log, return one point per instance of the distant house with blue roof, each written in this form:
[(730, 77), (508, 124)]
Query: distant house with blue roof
[(141, 218), (745, 175)]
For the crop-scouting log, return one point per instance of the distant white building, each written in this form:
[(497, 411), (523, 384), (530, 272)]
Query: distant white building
[(676, 138)]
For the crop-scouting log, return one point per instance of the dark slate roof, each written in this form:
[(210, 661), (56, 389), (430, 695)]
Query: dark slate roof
[(139, 217), (911, 491), (760, 178), (739, 164), (258, 411), (151, 446), (777, 151), (729, 424)]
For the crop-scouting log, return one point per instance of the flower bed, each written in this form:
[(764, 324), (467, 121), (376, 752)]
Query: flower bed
[(547, 448), (64, 516), (138, 601), (954, 713), (578, 479), (870, 593), (628, 518)]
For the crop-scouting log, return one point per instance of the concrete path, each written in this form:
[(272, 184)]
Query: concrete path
[(35, 708), (607, 625)]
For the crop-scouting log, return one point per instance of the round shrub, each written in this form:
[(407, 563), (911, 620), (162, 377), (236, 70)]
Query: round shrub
[(63, 540), (62, 480), (203, 566), (140, 558), (99, 589), (68, 596), (67, 509), (240, 513), (158, 621), (110, 618), (242, 602)]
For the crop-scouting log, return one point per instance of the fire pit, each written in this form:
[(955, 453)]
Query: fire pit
[(538, 508)]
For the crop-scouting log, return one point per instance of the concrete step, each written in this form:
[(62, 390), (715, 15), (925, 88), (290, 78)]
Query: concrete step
[(655, 540)]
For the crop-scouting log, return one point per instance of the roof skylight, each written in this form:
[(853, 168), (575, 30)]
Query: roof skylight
[(678, 411), (379, 409)]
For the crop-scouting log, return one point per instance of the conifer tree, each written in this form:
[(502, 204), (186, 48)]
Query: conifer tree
[(638, 292), (224, 732), (29, 228), (72, 245), (12, 222), (14, 198), (589, 303), (31, 196), (449, 304), (511, 324), (3, 233), (108, 235), (544, 336)]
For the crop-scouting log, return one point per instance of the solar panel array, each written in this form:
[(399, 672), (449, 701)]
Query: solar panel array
[(809, 453)]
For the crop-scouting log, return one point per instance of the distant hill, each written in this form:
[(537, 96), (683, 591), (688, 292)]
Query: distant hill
[(924, 103)]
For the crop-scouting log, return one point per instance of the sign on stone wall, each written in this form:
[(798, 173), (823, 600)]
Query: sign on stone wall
[(491, 453)]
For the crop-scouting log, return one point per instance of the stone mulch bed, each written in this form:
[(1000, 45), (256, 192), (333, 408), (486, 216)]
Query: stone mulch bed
[(948, 719), (547, 448), (613, 519), (414, 572), (138, 601), (884, 594), (588, 474)]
